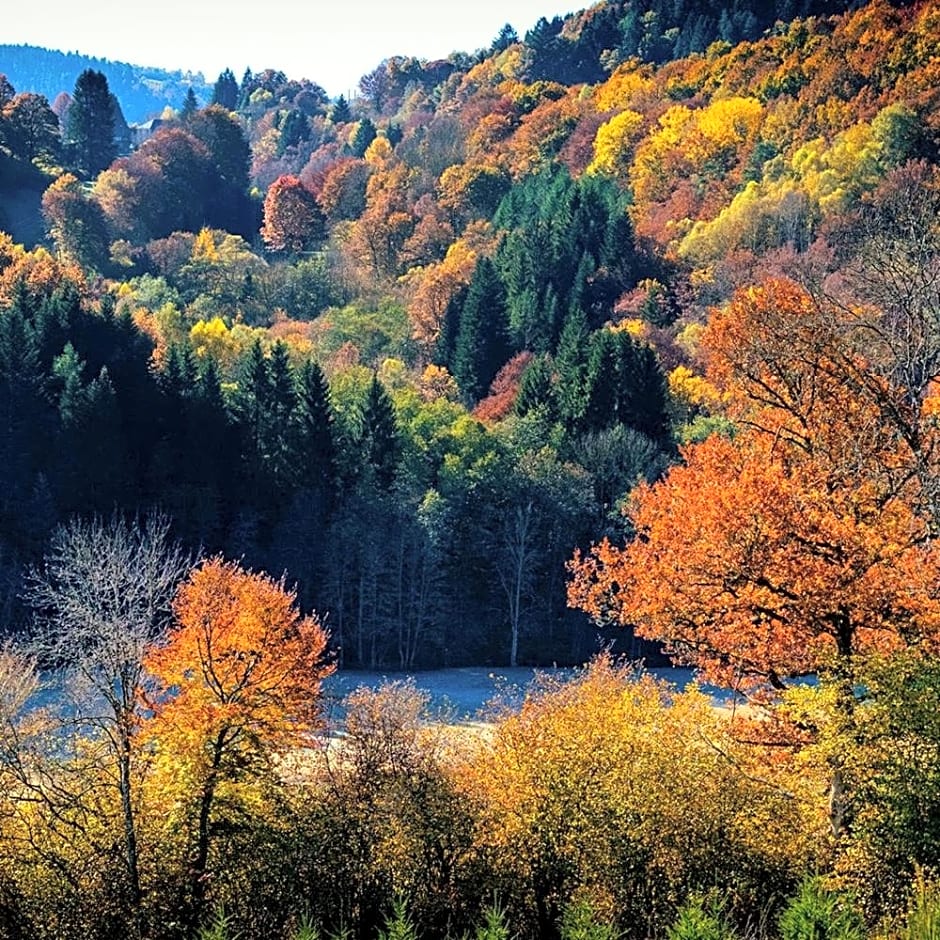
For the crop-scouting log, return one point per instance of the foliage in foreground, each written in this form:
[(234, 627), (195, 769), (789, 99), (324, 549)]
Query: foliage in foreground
[(608, 806)]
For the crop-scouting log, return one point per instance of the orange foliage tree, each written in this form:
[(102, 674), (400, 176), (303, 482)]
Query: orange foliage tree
[(240, 676), (805, 543), (293, 219), (807, 538)]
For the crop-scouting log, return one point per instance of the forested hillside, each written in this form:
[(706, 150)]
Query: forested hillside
[(416, 348), (626, 330)]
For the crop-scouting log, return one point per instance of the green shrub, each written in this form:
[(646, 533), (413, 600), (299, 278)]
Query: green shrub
[(399, 925), (579, 922), (923, 916), (816, 913), (219, 927), (306, 929), (700, 918), (494, 924)]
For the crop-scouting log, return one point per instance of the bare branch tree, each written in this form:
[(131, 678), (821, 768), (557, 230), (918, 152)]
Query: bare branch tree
[(101, 597)]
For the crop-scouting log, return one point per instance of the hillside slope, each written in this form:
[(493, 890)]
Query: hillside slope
[(143, 91)]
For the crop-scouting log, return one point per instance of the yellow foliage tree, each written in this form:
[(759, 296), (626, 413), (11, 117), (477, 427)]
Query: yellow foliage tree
[(619, 791), (614, 142), (435, 286)]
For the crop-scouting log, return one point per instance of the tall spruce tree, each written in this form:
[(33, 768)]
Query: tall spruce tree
[(279, 418), (225, 91), (379, 440), (25, 423), (363, 137), (603, 382), (571, 363), (251, 406), (644, 402), (482, 343), (90, 130), (214, 455), (315, 449), (340, 113), (190, 105), (536, 390)]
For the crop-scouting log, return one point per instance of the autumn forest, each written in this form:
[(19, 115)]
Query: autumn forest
[(615, 341)]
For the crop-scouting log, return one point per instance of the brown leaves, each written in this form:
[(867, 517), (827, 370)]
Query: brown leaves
[(293, 219)]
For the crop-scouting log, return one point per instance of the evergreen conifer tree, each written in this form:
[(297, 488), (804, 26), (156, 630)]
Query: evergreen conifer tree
[(644, 397), (25, 422), (536, 391), (481, 346), (90, 129), (214, 453), (251, 407), (225, 92), (602, 385), (294, 129), (364, 135), (315, 449), (571, 365), (190, 105), (379, 441), (340, 113), (279, 417)]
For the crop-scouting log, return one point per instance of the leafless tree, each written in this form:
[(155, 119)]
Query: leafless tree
[(102, 595), (19, 682), (518, 555)]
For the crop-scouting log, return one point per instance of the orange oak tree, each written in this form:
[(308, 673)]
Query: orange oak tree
[(807, 538), (239, 677)]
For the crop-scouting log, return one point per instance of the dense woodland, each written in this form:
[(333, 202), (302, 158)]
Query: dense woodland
[(626, 330), (416, 348)]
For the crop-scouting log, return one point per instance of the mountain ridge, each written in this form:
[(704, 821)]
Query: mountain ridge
[(143, 90)]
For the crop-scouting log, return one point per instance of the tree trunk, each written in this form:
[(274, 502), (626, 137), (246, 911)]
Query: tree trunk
[(130, 828), (200, 863)]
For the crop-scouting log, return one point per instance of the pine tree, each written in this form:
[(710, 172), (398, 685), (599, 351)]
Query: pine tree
[(245, 89), (93, 459), (190, 105), (571, 364), (251, 406), (279, 417), (178, 375), (482, 344), (536, 391), (379, 441), (102, 449), (67, 369), (506, 37), (294, 129), (214, 450), (363, 137), (450, 326), (315, 449), (90, 129), (646, 406), (603, 381), (340, 113), (225, 92), (25, 423)]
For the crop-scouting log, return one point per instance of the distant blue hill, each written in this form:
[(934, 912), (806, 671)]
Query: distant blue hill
[(143, 92)]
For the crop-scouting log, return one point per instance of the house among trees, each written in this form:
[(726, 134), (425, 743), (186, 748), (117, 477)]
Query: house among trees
[(144, 131)]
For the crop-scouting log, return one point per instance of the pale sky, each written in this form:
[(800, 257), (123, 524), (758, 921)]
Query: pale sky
[(331, 43)]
